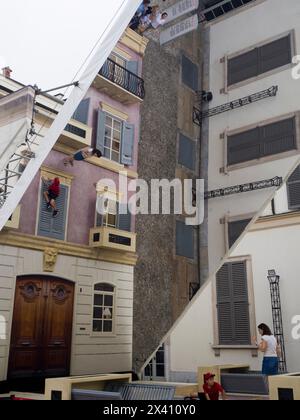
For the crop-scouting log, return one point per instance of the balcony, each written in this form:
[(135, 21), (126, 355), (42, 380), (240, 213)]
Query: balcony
[(111, 238), (119, 83)]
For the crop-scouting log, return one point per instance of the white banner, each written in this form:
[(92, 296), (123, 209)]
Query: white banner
[(181, 8), (185, 26), (15, 119)]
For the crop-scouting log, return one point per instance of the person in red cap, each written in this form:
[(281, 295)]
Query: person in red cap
[(52, 193), (212, 389)]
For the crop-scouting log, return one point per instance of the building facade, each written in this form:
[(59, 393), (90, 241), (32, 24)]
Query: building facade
[(66, 284)]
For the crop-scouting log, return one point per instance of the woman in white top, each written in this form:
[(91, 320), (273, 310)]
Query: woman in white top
[(271, 349)]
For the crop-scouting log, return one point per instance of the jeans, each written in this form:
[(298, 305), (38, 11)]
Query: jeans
[(270, 366)]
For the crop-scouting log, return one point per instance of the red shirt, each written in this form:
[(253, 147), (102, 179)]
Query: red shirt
[(214, 391)]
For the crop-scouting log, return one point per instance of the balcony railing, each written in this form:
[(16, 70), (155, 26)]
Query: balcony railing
[(123, 78)]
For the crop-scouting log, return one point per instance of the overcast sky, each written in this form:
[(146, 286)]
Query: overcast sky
[(45, 42)]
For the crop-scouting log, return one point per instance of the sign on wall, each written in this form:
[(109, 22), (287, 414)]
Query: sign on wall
[(181, 8)]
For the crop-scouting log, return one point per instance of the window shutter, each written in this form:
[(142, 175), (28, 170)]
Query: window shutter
[(81, 113), (278, 137), (235, 230), (101, 131), (49, 226), (124, 220), (189, 73), (293, 190), (243, 147), (187, 152), (233, 304), (127, 144), (243, 67), (275, 54), (184, 240), (133, 67)]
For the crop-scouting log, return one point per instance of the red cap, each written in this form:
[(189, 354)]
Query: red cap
[(209, 375)]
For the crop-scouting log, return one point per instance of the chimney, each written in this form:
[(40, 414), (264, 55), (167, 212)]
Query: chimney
[(6, 71)]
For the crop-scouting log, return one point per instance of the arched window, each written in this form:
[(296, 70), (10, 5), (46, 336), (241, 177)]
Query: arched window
[(103, 311)]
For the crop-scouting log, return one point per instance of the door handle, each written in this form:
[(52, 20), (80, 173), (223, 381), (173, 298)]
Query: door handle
[(25, 343), (57, 343)]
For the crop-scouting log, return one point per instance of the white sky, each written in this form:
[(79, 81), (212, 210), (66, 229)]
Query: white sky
[(45, 42)]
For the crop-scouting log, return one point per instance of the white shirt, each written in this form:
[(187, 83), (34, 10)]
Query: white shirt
[(271, 345), (157, 21)]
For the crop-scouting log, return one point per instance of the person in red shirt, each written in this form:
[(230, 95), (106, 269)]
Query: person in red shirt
[(212, 389), (51, 194)]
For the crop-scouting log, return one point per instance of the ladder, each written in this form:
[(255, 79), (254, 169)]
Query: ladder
[(13, 181)]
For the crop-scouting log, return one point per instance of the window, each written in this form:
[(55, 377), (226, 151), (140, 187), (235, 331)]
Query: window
[(117, 59), (47, 225), (236, 229), (260, 60), (184, 240), (233, 304), (156, 367), (293, 190), (113, 218), (103, 309), (115, 138), (187, 152), (189, 73), (259, 142)]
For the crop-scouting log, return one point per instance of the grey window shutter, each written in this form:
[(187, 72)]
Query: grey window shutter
[(235, 230), (278, 137), (81, 113), (275, 54), (133, 67), (123, 220), (233, 304), (100, 140), (184, 240), (243, 67), (99, 220), (127, 144), (243, 147), (49, 226), (187, 152), (189, 73), (293, 190)]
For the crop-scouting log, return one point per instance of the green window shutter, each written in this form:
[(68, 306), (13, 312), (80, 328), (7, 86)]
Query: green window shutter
[(49, 226), (243, 147), (123, 220), (127, 144), (184, 240), (293, 190), (233, 304), (235, 230), (187, 152), (100, 139), (278, 137), (243, 67), (82, 112), (275, 54)]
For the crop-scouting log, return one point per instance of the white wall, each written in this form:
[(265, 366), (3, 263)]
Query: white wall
[(227, 36), (90, 354)]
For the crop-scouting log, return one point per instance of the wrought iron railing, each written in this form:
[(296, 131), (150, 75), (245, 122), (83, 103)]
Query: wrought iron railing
[(124, 78)]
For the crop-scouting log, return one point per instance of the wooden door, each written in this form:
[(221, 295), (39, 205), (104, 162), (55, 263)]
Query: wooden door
[(42, 328)]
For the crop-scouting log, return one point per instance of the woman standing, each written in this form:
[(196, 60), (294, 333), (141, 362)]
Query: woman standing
[(271, 349)]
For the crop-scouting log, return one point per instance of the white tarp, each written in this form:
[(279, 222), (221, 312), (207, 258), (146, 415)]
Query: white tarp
[(15, 120), (117, 18)]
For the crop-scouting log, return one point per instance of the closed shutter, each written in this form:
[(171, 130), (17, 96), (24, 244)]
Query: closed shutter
[(82, 112), (187, 152), (189, 73), (293, 189), (132, 82), (127, 144), (100, 140), (123, 220), (278, 137), (233, 304), (235, 230), (243, 67), (49, 226), (133, 67), (275, 54), (243, 147), (184, 240)]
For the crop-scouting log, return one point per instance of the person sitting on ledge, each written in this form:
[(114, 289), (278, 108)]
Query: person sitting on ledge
[(81, 155)]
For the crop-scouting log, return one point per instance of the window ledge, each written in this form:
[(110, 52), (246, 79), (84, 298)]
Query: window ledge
[(218, 348)]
